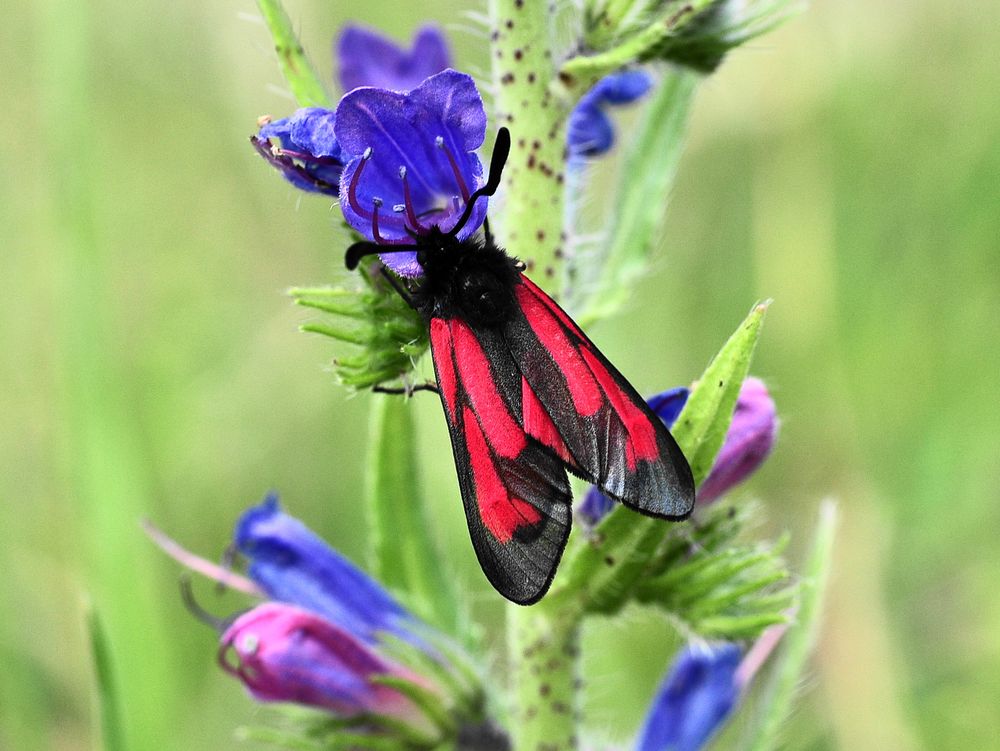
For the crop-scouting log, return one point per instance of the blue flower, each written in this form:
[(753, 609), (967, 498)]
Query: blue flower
[(294, 565), (747, 444), (590, 132), (410, 161), (366, 58), (308, 155), (695, 699)]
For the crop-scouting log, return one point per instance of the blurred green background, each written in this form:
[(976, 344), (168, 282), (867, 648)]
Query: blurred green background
[(847, 166)]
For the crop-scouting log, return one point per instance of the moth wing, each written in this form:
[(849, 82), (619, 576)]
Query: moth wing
[(609, 434), (515, 491)]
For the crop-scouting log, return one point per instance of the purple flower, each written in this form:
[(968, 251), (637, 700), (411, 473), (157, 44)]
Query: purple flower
[(590, 132), (747, 444), (411, 162), (694, 701), (293, 565), (282, 653), (307, 153), (366, 58)]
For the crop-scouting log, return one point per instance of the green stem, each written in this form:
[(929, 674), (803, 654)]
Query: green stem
[(785, 679), (109, 707), (545, 682), (409, 563), (524, 70), (301, 76)]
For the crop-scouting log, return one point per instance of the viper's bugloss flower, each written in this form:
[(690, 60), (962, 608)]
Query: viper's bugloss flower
[(366, 58), (292, 564), (747, 444), (306, 153), (590, 132), (410, 161), (697, 696), (283, 653), (748, 441), (330, 637)]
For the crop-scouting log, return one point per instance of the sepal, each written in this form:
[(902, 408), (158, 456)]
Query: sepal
[(388, 335)]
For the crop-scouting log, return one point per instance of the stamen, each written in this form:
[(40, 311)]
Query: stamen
[(439, 142), (302, 156), (408, 204), (352, 189), (377, 204)]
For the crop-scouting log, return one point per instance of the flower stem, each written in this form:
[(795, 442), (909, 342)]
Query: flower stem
[(299, 72), (524, 71), (544, 649)]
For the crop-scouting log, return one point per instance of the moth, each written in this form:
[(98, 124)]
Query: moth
[(528, 399)]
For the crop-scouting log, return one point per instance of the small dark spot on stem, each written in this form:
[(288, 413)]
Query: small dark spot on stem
[(509, 23), (609, 560)]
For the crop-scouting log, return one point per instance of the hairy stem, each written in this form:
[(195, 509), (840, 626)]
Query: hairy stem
[(544, 650), (524, 70)]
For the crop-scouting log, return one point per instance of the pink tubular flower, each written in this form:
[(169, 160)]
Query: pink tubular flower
[(282, 653), (748, 442)]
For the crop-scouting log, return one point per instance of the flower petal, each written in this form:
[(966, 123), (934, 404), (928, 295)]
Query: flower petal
[(366, 58), (695, 699), (748, 443), (309, 155), (429, 135), (293, 565), (284, 653), (590, 132)]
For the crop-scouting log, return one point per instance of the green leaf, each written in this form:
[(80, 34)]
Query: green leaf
[(405, 555), (580, 72), (701, 427), (112, 733), (717, 588), (600, 574), (640, 197), (785, 676), (298, 71)]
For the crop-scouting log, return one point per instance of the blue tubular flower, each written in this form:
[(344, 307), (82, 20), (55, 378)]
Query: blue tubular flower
[(307, 153), (590, 132), (411, 162), (293, 565), (667, 406), (366, 58), (694, 701)]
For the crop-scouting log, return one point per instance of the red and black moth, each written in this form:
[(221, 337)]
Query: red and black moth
[(528, 398)]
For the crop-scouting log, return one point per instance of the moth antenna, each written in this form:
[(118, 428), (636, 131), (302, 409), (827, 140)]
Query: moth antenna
[(364, 248), (501, 150)]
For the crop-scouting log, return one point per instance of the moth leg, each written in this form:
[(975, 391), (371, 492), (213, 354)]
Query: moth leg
[(406, 390)]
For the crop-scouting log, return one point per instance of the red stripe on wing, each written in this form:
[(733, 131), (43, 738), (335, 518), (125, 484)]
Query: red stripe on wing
[(586, 394), (641, 442), (502, 513), (441, 346), (539, 425), (549, 303), (506, 437)]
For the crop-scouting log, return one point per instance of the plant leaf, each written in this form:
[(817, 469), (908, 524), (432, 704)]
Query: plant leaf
[(783, 680), (109, 706), (640, 197), (406, 557)]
